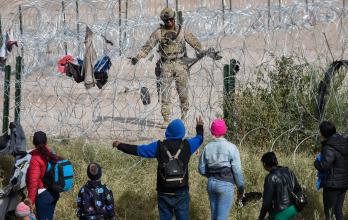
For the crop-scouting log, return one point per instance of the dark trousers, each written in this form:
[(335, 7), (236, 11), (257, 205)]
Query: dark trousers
[(176, 203), (333, 203), (45, 205)]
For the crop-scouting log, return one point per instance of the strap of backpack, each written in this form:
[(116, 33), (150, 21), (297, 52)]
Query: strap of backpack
[(176, 156), (167, 151)]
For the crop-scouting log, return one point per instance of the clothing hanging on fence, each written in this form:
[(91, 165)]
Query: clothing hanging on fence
[(61, 65), (89, 59), (83, 70), (15, 144), (100, 71), (7, 45), (74, 70)]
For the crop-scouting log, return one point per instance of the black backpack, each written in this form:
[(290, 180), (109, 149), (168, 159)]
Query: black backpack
[(173, 170)]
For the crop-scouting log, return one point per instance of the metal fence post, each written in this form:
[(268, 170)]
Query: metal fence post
[(18, 87), (78, 26), (21, 31), (229, 91), (226, 90), (65, 43), (5, 113), (119, 26), (269, 15)]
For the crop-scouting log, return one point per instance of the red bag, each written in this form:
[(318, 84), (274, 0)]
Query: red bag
[(62, 61)]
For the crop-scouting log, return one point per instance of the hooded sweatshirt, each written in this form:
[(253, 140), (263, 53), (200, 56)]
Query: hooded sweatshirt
[(334, 160), (175, 133)]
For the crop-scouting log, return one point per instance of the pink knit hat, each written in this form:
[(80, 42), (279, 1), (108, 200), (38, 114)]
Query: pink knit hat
[(218, 128), (22, 210)]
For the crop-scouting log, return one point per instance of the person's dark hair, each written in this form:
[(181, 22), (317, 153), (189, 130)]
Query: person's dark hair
[(94, 171), (40, 143), (269, 159), (327, 129)]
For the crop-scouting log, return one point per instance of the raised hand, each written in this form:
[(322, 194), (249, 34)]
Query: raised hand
[(199, 121)]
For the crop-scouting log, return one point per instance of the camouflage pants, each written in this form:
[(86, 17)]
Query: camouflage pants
[(178, 72)]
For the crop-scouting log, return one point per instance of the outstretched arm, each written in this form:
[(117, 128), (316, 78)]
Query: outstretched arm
[(144, 150), (149, 45), (192, 40)]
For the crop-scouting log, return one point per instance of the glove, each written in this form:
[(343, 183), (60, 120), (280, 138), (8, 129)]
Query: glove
[(134, 60)]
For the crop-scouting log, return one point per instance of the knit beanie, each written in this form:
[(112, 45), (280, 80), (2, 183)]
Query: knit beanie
[(22, 210), (218, 128), (175, 130), (94, 171)]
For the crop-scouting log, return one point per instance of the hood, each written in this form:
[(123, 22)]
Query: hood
[(175, 130), (339, 143)]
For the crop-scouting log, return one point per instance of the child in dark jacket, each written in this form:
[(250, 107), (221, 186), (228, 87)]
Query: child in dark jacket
[(95, 201)]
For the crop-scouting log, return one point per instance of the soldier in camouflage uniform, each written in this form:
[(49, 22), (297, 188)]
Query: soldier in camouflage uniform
[(171, 39)]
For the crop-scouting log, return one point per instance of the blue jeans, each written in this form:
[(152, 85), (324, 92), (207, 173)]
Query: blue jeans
[(176, 203), (45, 205), (221, 198)]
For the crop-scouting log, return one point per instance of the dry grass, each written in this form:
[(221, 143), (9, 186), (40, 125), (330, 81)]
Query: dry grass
[(133, 181)]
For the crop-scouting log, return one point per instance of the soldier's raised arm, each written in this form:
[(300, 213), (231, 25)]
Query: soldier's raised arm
[(192, 40), (149, 45)]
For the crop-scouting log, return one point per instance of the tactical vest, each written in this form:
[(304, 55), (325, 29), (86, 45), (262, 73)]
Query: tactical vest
[(172, 43), (162, 158)]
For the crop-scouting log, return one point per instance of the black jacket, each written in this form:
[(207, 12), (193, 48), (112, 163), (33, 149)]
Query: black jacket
[(334, 159), (95, 201), (276, 195)]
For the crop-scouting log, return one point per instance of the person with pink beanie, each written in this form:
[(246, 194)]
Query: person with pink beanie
[(220, 163), (24, 212)]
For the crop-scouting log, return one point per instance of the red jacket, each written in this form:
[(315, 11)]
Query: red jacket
[(35, 174)]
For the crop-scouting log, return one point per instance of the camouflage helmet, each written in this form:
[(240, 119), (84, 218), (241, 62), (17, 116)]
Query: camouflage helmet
[(167, 13)]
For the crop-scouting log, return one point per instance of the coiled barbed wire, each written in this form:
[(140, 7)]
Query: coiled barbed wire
[(253, 35)]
